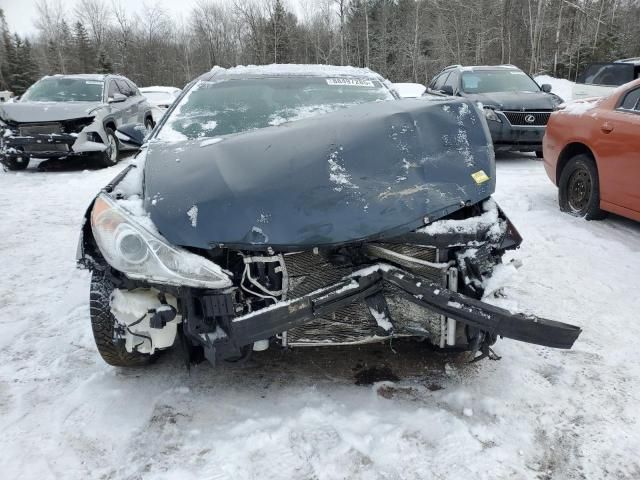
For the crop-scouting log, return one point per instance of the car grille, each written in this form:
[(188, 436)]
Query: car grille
[(354, 323), (40, 129), (528, 119), (46, 147)]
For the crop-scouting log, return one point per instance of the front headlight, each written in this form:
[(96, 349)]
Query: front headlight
[(135, 250), (491, 114)]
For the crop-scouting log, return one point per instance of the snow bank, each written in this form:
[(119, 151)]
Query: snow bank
[(409, 90), (561, 87)]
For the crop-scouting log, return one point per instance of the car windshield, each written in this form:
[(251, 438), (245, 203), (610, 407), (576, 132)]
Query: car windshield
[(60, 89), (612, 74), (498, 81), (213, 108)]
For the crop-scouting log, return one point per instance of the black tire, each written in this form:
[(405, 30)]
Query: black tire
[(110, 157), (149, 124), (13, 164), (102, 323), (579, 188), (539, 154)]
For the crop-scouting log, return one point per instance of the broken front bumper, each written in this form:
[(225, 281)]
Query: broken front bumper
[(50, 145), (231, 334)]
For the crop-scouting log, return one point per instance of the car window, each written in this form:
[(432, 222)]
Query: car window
[(124, 88), (113, 89), (132, 86), (487, 81), (452, 81), (438, 82), (612, 74), (631, 100), (64, 89), (213, 108)]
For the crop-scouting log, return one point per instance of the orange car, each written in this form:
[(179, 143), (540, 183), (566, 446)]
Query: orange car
[(592, 153)]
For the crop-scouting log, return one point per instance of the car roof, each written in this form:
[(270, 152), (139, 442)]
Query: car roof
[(289, 70), (82, 76), (480, 68), (633, 60)]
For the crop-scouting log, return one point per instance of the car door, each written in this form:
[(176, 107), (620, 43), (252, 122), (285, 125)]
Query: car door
[(139, 100), (115, 108), (129, 107), (618, 148)]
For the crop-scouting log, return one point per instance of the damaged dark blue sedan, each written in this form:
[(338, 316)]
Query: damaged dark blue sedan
[(302, 206)]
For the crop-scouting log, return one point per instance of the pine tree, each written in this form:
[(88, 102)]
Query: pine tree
[(26, 70), (53, 59), (278, 33), (104, 64), (8, 57), (83, 49)]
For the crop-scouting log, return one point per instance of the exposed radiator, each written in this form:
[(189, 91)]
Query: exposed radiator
[(40, 128), (354, 323)]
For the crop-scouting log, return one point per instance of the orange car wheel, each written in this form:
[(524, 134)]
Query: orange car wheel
[(579, 188)]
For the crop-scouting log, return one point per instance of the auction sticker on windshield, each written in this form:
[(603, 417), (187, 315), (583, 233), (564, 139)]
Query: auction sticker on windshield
[(351, 82)]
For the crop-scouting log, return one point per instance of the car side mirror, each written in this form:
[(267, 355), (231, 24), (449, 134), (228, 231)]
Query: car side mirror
[(446, 89), (117, 98), (132, 134), (546, 88)]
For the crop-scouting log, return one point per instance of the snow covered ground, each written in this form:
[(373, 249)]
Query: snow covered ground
[(536, 414)]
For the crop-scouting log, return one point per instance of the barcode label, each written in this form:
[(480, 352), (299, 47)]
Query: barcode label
[(350, 82)]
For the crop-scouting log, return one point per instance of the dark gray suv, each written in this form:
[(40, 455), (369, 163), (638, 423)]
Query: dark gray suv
[(63, 116), (516, 107)]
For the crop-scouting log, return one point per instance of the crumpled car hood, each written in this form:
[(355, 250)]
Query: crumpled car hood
[(24, 112), (362, 173), (517, 100)]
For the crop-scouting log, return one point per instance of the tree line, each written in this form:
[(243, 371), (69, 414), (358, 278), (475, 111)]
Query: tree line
[(404, 40)]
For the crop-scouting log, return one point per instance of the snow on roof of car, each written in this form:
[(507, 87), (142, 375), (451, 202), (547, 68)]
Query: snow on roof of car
[(84, 76), (471, 68), (291, 69)]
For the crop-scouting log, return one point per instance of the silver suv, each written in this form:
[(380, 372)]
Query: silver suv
[(62, 116)]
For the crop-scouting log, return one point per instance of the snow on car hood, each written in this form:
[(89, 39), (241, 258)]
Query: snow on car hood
[(20, 112), (365, 172), (517, 100)]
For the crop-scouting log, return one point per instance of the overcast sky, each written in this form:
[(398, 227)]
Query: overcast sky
[(20, 14)]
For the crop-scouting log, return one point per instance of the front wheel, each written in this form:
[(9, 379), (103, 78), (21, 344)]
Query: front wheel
[(15, 164), (103, 323), (539, 154), (148, 124), (579, 188), (110, 155)]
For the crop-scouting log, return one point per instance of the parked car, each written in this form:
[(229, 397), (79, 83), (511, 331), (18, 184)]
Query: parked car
[(160, 99), (601, 79), (516, 107), (592, 153), (409, 90), (64, 116), (301, 206)]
